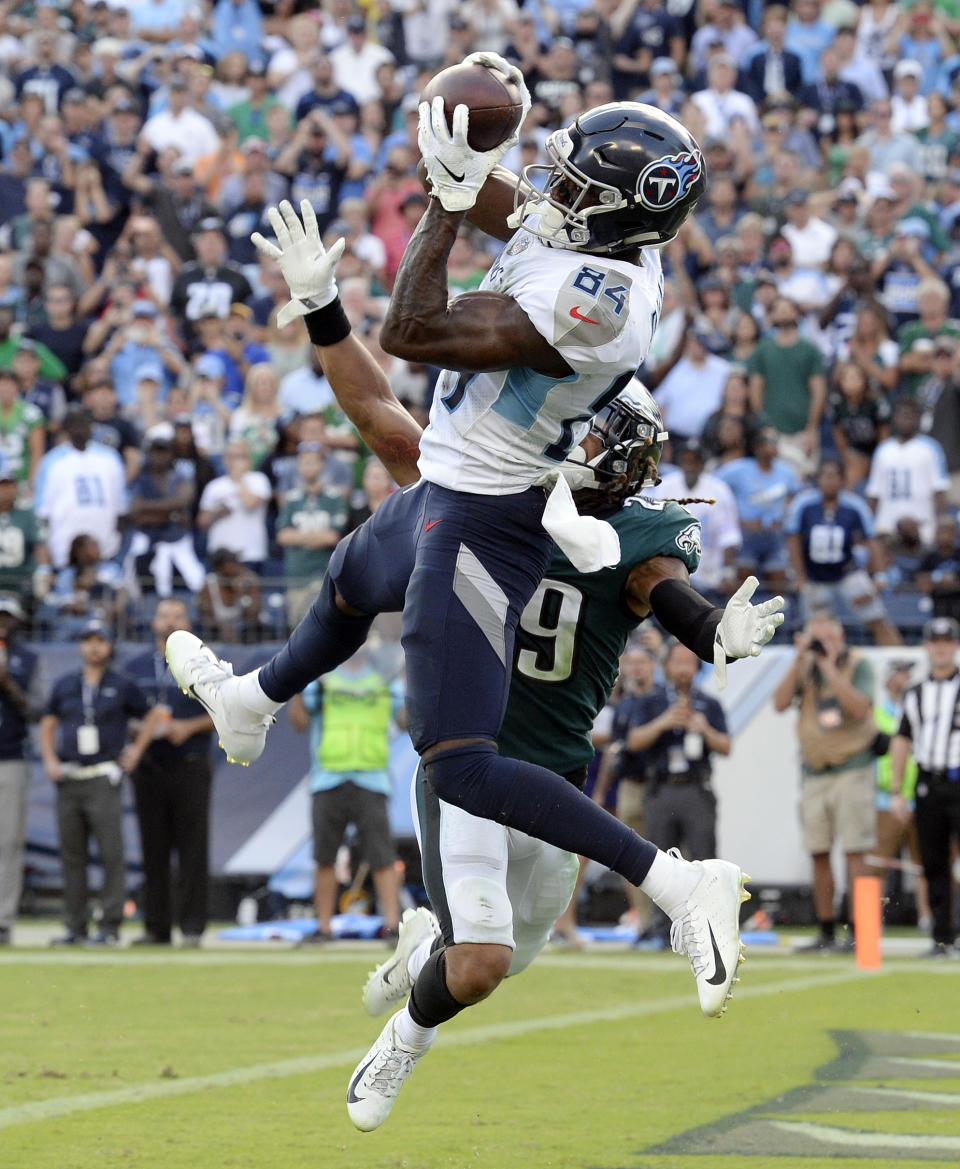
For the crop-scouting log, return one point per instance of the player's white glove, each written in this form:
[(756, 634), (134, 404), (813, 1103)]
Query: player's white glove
[(307, 266), (455, 170), (744, 629), (512, 73)]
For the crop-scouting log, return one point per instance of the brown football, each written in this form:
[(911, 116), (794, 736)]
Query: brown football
[(493, 101)]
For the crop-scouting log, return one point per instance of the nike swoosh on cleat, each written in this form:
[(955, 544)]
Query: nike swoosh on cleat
[(456, 178), (720, 973), (206, 705), (352, 1097), (578, 315), (386, 974)]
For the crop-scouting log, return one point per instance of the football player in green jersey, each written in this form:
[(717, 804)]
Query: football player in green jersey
[(496, 892)]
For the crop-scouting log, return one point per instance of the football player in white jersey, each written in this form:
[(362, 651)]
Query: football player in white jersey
[(462, 551)]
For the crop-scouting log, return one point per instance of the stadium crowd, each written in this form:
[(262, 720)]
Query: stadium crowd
[(808, 356)]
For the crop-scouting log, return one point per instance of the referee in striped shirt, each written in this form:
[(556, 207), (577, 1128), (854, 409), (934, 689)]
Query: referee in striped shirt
[(930, 728)]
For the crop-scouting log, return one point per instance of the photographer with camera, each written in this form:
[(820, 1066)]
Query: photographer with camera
[(833, 689)]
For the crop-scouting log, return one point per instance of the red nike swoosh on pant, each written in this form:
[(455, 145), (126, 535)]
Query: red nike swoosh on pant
[(431, 524), (575, 312)]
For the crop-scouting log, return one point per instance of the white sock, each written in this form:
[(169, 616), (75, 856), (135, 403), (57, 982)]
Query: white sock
[(670, 882), (415, 962), (251, 695), (411, 1034)]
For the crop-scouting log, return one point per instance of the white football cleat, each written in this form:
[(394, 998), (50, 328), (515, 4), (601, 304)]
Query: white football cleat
[(378, 1078), (200, 673), (707, 930), (391, 982)]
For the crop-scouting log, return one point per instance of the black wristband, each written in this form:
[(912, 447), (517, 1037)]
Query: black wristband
[(684, 613), (328, 325)]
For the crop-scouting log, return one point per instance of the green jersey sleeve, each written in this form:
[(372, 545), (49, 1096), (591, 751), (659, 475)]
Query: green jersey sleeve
[(657, 527)]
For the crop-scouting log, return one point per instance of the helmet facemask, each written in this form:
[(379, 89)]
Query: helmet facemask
[(565, 199)]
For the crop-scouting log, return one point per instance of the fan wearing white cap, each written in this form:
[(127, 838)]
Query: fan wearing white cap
[(908, 105)]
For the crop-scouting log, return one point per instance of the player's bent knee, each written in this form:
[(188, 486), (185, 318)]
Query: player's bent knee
[(481, 911), (448, 764), (474, 971)]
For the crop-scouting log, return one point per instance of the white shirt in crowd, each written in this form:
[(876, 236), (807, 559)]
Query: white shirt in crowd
[(721, 110), (811, 244), (719, 521), (907, 117), (357, 72), (242, 531), (81, 493), (191, 133), (690, 393), (904, 478)]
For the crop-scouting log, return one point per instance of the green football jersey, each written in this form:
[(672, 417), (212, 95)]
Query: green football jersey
[(310, 513), (572, 633)]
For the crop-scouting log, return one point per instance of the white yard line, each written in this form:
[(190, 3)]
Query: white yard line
[(160, 1089)]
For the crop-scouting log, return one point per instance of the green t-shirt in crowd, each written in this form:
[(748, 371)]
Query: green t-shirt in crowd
[(786, 371), (52, 368), (914, 331), (310, 513)]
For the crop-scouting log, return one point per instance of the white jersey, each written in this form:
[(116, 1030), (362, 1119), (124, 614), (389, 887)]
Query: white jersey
[(904, 477), (84, 493), (496, 433)]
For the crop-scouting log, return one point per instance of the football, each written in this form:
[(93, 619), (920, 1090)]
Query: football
[(493, 101)]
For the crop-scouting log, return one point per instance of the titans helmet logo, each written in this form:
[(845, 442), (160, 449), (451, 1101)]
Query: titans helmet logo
[(664, 183)]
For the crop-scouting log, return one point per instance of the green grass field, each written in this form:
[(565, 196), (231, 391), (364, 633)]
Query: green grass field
[(240, 1059)]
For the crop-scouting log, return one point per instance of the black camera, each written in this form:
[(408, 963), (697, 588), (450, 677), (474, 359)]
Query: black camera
[(817, 648)]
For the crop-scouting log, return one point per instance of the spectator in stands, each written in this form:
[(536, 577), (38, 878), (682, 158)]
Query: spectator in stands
[(62, 333), (316, 161), (230, 601), (21, 702), (933, 300), (349, 713), (896, 834), (180, 125), (788, 385), (860, 420), (769, 67), (51, 367), (161, 503), (908, 473), (85, 746), (24, 562), (828, 95), (355, 62), (257, 419), (86, 584), (825, 527), (211, 283), (871, 347), (832, 687), (233, 508), (810, 237), (763, 486), (679, 728), (22, 431), (808, 34), (713, 504), (939, 571), (856, 67), (110, 428), (721, 104), (172, 785), (309, 527), (81, 490), (693, 389)]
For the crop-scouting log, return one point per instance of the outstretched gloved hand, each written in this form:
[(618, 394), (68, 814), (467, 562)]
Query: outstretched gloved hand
[(744, 629), (307, 266)]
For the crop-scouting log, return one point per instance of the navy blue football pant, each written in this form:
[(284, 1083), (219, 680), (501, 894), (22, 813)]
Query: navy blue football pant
[(461, 567)]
